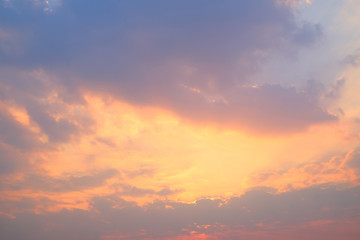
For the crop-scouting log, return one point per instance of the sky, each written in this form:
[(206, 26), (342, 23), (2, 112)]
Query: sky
[(184, 119)]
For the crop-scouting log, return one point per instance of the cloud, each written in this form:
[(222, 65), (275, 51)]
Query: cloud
[(66, 183), (308, 34), (57, 130), (353, 160), (107, 102), (10, 160), (352, 59), (257, 212), (128, 190), (39, 181), (23, 5), (10, 42), (15, 134), (50, 109), (144, 55), (333, 170), (266, 109), (105, 141), (335, 90), (143, 171)]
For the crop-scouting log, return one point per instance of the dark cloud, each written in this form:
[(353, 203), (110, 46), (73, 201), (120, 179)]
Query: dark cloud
[(170, 30), (157, 53), (257, 211)]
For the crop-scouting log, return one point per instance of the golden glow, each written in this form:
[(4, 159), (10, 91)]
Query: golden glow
[(153, 150)]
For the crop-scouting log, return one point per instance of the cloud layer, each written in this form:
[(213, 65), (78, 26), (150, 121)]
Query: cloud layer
[(257, 213), (196, 59), (179, 120)]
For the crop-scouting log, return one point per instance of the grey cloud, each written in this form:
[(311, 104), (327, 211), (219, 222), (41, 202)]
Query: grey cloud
[(353, 160), (314, 90), (128, 190), (335, 90), (145, 55), (265, 109), (9, 42), (30, 90), (10, 161), (59, 130), (308, 33), (25, 204), (325, 95), (278, 214), (15, 134), (66, 183), (67, 225), (352, 59)]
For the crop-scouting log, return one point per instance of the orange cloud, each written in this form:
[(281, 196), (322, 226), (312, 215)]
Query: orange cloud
[(159, 156), (335, 170)]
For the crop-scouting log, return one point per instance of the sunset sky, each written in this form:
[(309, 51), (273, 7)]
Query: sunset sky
[(186, 119)]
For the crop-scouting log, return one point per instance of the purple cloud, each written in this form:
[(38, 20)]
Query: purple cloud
[(257, 211), (145, 53)]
